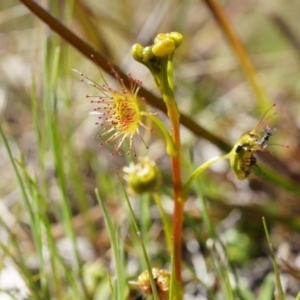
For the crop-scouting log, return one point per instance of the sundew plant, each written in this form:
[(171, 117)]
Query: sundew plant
[(172, 174)]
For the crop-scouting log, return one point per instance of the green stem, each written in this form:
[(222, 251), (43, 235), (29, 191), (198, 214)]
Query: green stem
[(165, 220), (138, 233), (170, 149), (198, 171), (276, 271)]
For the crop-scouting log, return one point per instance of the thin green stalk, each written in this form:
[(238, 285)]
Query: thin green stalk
[(44, 227), (145, 221), (171, 148), (172, 276), (33, 226), (39, 125), (20, 182), (42, 224), (149, 268), (138, 233), (57, 262), (18, 260), (120, 289), (166, 221), (54, 133), (198, 171), (266, 290), (222, 269), (75, 178), (228, 284), (220, 266), (40, 247), (205, 214), (274, 263), (111, 288)]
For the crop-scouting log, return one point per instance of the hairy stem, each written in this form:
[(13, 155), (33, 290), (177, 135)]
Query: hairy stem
[(173, 113), (178, 209)]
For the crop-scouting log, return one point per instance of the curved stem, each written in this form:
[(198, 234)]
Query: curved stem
[(198, 171), (170, 149)]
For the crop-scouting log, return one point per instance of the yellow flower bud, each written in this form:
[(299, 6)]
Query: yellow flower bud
[(163, 48), (160, 37), (176, 37), (142, 177), (137, 52), (147, 53)]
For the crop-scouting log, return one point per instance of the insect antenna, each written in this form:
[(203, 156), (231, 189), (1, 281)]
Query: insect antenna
[(280, 145), (263, 119)]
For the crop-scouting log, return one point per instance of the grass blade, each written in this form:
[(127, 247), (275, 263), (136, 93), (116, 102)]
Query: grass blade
[(121, 290), (274, 263), (138, 233)]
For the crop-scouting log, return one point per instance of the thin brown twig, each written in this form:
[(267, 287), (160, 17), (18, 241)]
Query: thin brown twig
[(87, 50)]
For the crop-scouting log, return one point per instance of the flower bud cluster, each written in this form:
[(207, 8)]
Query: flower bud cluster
[(164, 45)]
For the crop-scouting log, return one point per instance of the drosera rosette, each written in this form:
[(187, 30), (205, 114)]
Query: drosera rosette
[(118, 111)]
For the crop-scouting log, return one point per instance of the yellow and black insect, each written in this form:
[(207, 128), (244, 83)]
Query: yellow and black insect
[(242, 157)]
